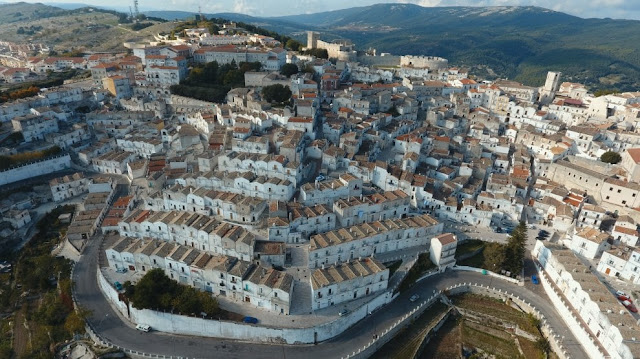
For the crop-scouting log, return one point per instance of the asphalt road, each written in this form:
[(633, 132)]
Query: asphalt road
[(111, 327)]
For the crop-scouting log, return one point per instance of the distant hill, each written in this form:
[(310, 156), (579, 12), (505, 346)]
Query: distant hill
[(82, 29), (520, 43), (21, 11), (281, 25)]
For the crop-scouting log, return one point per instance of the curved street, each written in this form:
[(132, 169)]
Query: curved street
[(110, 326)]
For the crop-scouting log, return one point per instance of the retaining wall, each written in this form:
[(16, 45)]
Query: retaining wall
[(180, 324), (547, 331)]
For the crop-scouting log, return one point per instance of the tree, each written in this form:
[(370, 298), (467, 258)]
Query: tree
[(293, 45), (289, 69), (276, 93), (494, 256), (611, 157), (514, 253)]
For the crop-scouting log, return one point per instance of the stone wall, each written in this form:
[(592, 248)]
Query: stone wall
[(179, 324), (35, 169)]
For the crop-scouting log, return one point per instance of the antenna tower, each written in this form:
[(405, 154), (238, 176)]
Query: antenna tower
[(135, 8)]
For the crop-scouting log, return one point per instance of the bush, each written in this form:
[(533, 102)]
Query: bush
[(276, 93), (289, 69), (611, 157), (157, 291)]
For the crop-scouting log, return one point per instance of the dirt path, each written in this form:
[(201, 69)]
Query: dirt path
[(20, 333)]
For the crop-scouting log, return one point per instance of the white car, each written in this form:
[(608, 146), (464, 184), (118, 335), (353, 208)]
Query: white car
[(143, 328), (414, 298)]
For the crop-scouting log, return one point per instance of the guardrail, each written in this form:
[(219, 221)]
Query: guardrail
[(387, 334), (554, 339)]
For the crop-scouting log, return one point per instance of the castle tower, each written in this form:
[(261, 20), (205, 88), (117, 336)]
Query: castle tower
[(551, 85), (553, 81), (312, 39)]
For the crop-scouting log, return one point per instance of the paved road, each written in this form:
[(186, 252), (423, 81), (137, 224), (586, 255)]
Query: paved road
[(111, 327)]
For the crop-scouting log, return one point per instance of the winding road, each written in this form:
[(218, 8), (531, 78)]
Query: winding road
[(110, 326)]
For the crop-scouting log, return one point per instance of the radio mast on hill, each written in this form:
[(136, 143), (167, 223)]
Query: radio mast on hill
[(135, 9)]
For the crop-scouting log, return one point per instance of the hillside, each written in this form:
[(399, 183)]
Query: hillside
[(520, 43), (19, 12), (82, 29)]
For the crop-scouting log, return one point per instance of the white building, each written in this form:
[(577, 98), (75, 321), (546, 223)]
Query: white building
[(378, 206), (222, 276), (326, 192), (190, 229), (590, 242), (34, 127), (367, 239), (609, 323), (65, 187), (621, 262), (443, 250), (347, 281), (245, 183)]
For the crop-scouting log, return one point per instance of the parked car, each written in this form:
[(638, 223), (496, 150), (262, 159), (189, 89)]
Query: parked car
[(414, 298), (250, 320), (343, 312), (534, 279), (531, 226), (630, 306), (143, 328), (623, 296), (121, 270), (320, 178), (118, 285)]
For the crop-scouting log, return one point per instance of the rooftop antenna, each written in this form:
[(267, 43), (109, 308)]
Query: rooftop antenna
[(200, 12), (130, 12)]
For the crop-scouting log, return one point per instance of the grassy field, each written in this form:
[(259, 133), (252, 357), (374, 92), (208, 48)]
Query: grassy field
[(496, 309), (446, 343), (83, 30), (408, 340)]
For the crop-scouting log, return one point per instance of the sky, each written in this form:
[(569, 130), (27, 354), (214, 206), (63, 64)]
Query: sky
[(617, 9)]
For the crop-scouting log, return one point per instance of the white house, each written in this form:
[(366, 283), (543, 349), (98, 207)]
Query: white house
[(349, 281), (443, 250)]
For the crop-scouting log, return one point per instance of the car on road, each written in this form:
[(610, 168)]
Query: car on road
[(118, 285), (534, 279), (627, 304), (414, 298), (121, 270), (143, 328), (540, 238), (343, 312), (543, 233), (531, 226), (250, 320)]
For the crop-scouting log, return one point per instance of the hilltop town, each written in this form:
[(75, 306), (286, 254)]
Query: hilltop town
[(304, 192)]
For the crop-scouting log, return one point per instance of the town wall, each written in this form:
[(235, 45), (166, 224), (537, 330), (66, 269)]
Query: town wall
[(35, 169), (180, 324)]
